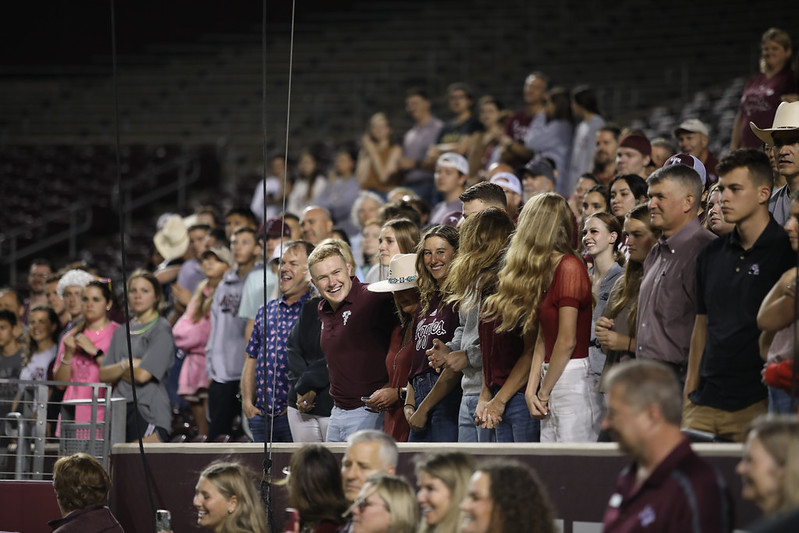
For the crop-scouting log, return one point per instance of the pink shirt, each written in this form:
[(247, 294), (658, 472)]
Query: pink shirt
[(85, 370)]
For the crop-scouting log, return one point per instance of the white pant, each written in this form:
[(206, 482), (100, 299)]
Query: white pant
[(572, 405), (307, 428)]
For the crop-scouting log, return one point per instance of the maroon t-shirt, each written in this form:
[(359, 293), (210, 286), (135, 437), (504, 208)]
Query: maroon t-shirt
[(759, 102), (355, 339), (500, 352), (683, 493), (570, 287), (440, 323)]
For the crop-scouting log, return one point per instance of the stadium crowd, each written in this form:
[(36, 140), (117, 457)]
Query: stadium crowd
[(485, 280)]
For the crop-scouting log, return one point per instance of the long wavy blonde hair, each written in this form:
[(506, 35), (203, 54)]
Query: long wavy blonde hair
[(543, 235), (483, 240)]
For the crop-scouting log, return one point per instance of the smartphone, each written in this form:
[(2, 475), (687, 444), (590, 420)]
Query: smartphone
[(163, 521), (292, 519)]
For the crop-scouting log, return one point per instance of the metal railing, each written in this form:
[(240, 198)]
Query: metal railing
[(78, 218), (33, 441), (188, 171)]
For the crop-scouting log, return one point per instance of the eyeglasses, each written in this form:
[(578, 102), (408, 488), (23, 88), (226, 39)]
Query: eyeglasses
[(362, 503)]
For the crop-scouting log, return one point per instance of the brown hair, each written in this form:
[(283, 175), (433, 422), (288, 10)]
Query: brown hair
[(80, 481)]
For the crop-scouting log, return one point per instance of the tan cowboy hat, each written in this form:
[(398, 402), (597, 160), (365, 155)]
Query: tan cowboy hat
[(785, 119), (172, 240), (401, 275)]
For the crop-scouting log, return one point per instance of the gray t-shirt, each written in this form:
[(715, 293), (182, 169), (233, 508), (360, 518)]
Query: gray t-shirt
[(156, 348)]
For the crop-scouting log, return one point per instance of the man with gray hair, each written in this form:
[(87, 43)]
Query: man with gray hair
[(668, 487), (368, 452), (666, 307)]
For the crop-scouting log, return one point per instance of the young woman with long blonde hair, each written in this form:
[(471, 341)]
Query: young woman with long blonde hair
[(544, 290)]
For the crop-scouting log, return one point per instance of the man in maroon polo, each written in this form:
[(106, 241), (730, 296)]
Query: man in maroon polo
[(356, 330), (668, 487)]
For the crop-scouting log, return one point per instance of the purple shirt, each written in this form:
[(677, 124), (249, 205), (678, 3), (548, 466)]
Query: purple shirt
[(280, 318), (355, 339), (667, 301), (683, 493)]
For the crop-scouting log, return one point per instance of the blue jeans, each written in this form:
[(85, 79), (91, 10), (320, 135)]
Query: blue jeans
[(517, 425), (280, 432), (780, 402), (442, 419), (467, 430), (344, 422)]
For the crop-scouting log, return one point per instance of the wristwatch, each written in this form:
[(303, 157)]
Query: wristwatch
[(99, 353)]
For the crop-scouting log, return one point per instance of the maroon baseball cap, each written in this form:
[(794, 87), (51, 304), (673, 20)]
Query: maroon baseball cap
[(636, 141), (274, 228)]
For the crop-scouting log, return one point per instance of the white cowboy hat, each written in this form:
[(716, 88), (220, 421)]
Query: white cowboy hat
[(401, 275), (785, 119)]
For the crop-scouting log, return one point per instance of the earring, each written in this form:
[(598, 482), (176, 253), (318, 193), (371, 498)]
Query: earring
[(108, 308), (230, 511)]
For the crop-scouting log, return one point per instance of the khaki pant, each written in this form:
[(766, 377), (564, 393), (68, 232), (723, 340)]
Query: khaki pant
[(730, 425)]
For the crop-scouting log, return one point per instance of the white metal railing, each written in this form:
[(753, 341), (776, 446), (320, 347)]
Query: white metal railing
[(30, 441)]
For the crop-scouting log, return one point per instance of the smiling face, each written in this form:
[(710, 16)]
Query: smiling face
[(388, 246), (294, 273), (212, 506), (478, 506), (331, 276), (596, 237), (627, 424), (40, 327), (143, 298), (316, 225), (692, 143), (434, 498), (640, 239), (622, 199), (94, 304), (437, 254), (761, 476)]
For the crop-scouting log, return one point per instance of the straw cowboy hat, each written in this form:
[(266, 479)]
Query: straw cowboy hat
[(172, 240), (785, 119), (401, 275)]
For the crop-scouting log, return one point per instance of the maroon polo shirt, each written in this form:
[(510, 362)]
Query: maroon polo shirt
[(683, 494), (355, 339)]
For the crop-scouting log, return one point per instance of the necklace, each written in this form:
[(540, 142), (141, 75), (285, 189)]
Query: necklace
[(145, 327)]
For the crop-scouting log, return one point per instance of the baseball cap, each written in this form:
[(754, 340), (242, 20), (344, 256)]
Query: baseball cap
[(692, 125), (636, 141), (453, 160), (220, 252), (274, 228), (509, 181), (689, 161)]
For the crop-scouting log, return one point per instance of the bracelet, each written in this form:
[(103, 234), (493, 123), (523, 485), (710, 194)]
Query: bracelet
[(409, 405), (540, 399), (65, 362)]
